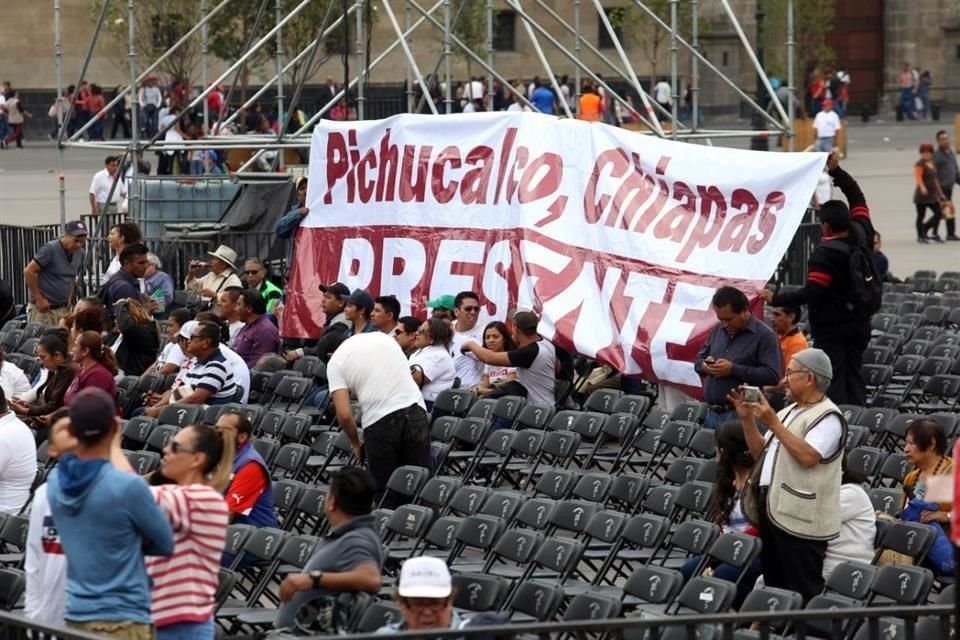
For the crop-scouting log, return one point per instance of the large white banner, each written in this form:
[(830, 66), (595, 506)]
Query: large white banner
[(617, 239)]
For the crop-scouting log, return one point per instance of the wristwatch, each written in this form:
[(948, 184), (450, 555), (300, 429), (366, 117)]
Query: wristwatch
[(316, 576)]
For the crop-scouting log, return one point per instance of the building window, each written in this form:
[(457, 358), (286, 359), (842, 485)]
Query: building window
[(616, 16), (505, 31)]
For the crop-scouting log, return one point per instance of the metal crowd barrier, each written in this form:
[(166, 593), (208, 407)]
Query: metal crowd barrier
[(18, 245)]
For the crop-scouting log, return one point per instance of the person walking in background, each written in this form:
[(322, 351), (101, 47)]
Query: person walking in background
[(121, 113), (948, 174), (825, 125), (922, 95), (95, 105), (907, 88), (590, 107), (16, 116), (927, 195)]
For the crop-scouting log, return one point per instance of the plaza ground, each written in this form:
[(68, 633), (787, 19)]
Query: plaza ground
[(881, 157)]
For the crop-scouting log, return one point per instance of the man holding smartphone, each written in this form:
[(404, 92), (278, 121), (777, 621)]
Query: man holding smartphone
[(740, 350)]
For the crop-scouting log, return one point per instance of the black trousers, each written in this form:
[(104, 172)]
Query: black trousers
[(951, 224), (845, 349), (790, 562), (932, 223), (398, 439)]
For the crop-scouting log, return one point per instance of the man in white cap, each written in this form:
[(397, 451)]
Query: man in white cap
[(425, 595), (223, 264), (793, 495)]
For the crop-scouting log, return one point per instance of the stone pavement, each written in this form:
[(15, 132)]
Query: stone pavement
[(881, 157)]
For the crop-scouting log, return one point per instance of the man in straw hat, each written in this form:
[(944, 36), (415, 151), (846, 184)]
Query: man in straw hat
[(222, 265), (793, 495)]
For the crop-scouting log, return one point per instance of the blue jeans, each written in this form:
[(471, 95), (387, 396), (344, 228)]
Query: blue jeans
[(187, 631), (825, 144), (715, 419)]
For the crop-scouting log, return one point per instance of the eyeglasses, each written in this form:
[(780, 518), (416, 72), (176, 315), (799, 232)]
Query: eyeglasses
[(426, 603), (471, 309), (176, 447), (790, 372)]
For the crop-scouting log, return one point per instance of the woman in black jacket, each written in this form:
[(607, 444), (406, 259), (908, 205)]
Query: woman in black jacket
[(139, 340)]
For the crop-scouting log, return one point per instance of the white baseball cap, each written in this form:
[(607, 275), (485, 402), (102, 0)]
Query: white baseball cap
[(425, 577), (186, 331)]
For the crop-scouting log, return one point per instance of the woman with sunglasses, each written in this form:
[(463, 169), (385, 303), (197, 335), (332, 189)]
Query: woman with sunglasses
[(431, 364), (196, 467)]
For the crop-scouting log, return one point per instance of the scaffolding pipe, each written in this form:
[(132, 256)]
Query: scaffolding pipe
[(654, 121), (134, 149), (204, 51), (411, 62), (674, 88), (490, 92), (238, 66), (694, 67), (756, 62), (709, 65), (576, 51), (361, 61), (791, 62), (406, 29), (543, 61), (600, 83), (61, 164), (448, 96), (310, 50), (86, 63), (156, 63), (278, 10), (440, 59)]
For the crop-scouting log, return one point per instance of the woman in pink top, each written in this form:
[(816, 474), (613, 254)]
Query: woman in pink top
[(98, 366), (199, 460)]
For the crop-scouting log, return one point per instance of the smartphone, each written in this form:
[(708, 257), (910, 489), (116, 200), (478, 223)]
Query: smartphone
[(709, 360), (750, 394)]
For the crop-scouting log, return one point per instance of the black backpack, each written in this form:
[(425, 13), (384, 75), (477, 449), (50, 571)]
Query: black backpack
[(866, 284)]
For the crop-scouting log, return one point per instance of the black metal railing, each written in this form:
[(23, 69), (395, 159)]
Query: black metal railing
[(792, 270), (15, 626)]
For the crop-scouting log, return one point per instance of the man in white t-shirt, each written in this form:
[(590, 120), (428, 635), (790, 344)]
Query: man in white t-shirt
[(797, 505), (102, 183), (372, 367), (661, 93), (826, 124), (18, 459), (465, 329)]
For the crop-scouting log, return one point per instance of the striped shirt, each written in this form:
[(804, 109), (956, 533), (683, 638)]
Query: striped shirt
[(215, 375), (184, 584)]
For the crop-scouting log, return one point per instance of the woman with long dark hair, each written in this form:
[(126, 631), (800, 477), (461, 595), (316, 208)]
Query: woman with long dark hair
[(734, 464), (98, 365), (172, 356), (496, 337), (196, 469), (54, 355), (431, 364), (139, 337)]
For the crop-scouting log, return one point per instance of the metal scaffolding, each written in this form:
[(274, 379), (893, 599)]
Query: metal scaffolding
[(773, 118)]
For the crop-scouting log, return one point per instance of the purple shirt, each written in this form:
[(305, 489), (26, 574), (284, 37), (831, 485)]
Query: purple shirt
[(256, 339)]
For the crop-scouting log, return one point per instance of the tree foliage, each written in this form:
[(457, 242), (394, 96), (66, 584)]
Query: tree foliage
[(645, 34), (813, 21), (158, 24)]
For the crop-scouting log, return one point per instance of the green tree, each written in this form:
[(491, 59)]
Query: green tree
[(645, 34), (158, 24), (230, 30), (813, 22), (471, 28)]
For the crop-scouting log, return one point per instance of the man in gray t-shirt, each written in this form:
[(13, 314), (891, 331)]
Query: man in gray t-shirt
[(349, 558), (52, 274)]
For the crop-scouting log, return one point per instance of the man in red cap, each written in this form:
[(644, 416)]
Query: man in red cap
[(826, 125)]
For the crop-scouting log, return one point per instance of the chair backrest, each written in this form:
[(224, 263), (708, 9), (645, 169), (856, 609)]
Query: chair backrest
[(271, 422), (441, 429), (866, 460), (469, 432), (661, 500), (536, 512), (695, 536), (562, 445), (593, 487), (226, 581), (292, 388), (886, 501), (683, 470), (518, 545), (527, 442), (534, 416), (563, 420), (556, 483), (537, 600), (291, 458), (410, 521), (909, 538), (628, 489), (286, 494), (704, 444), (620, 426), (904, 584), (438, 491), (407, 480), (602, 400), (482, 409), (507, 407), (771, 599), (143, 462), (480, 532), (852, 579), (606, 526), (655, 585), (589, 424), (181, 415), (707, 595), (295, 428), (265, 543), (377, 615), (587, 606), (678, 434), (137, 430), (468, 500), (646, 530), (559, 554), (443, 532), (478, 592), (236, 537), (695, 497), (297, 550), (573, 515), (160, 436), (266, 448), (12, 584), (735, 549), (689, 412), (503, 504), (454, 402), (633, 404)]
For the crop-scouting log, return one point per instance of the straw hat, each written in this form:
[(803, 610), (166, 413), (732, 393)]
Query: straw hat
[(226, 254)]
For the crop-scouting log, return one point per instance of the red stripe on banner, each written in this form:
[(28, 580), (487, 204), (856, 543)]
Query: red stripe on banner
[(576, 288)]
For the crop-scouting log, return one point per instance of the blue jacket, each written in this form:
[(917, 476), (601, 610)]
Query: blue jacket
[(264, 514), (108, 520), (287, 227)]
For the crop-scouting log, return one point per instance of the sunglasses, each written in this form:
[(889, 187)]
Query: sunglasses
[(471, 309), (250, 273), (176, 447)]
